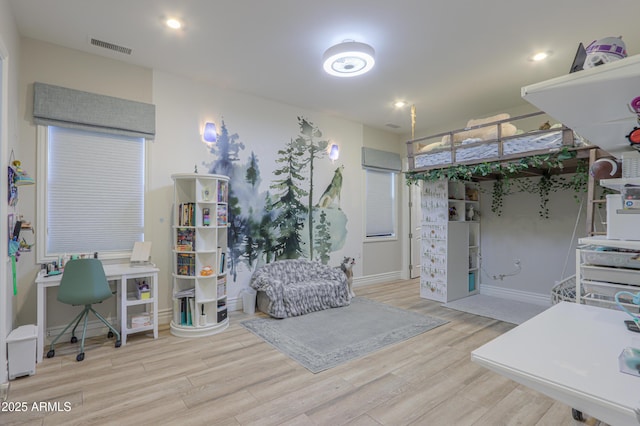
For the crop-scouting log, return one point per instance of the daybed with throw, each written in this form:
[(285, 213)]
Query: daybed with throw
[(288, 288), (491, 139)]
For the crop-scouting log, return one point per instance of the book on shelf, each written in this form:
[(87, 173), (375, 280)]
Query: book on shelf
[(186, 239), (223, 191), (187, 214), (184, 310), (191, 310), (221, 213), (186, 263), (222, 266), (222, 287), (222, 291)]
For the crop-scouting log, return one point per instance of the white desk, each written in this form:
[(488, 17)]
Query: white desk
[(119, 273), (570, 353)]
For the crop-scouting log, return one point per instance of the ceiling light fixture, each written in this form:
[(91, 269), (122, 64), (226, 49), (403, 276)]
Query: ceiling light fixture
[(539, 56), (348, 59), (174, 23), (399, 104)]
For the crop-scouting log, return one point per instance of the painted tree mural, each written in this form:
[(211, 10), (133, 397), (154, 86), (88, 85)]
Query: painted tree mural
[(289, 211), (308, 139), (282, 222), (323, 238)]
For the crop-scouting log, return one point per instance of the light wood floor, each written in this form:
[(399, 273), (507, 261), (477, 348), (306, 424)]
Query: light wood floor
[(235, 378)]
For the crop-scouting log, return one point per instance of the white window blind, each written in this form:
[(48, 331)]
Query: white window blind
[(94, 192), (380, 204)]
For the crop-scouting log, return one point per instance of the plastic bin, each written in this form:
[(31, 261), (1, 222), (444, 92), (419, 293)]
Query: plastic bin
[(613, 258), (249, 301), (21, 348)]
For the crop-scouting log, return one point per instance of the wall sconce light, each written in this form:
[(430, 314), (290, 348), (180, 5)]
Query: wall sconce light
[(209, 134), (334, 152)]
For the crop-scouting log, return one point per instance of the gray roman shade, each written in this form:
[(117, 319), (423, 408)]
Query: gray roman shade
[(380, 160), (63, 107)]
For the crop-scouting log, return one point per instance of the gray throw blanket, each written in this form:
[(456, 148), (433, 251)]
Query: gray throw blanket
[(299, 286)]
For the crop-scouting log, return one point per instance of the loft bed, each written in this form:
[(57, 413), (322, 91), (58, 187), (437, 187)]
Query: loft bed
[(499, 140)]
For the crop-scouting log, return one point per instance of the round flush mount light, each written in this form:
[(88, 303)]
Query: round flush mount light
[(348, 59), (540, 56), (173, 23)]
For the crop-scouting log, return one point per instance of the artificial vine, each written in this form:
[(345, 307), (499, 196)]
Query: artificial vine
[(506, 185)]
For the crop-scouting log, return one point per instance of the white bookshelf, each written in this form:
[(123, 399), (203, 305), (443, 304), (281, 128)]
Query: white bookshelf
[(199, 225), (450, 240)]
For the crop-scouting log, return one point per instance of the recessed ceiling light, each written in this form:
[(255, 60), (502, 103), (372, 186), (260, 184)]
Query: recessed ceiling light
[(539, 56), (399, 104), (174, 23), (348, 59)]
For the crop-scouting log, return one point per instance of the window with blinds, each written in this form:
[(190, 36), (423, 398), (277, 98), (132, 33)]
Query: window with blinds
[(93, 195), (380, 212)]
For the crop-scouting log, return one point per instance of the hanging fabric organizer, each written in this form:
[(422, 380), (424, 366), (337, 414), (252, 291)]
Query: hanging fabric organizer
[(17, 177)]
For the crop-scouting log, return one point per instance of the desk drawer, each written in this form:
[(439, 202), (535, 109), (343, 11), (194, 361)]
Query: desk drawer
[(611, 275)]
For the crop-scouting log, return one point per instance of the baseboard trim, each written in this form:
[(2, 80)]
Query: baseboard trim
[(376, 279), (518, 295), (94, 328)]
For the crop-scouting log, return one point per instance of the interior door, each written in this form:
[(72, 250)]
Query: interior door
[(416, 230)]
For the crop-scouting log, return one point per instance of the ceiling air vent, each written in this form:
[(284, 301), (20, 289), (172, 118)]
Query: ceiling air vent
[(110, 46), (393, 126)]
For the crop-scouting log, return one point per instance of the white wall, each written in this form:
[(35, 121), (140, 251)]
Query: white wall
[(384, 257), (9, 45), (48, 63), (182, 107), (264, 126), (543, 246)]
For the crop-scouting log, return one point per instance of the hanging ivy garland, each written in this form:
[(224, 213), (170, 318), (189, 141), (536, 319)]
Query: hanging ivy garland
[(506, 185)]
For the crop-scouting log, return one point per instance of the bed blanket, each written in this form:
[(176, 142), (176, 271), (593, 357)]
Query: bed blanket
[(293, 287)]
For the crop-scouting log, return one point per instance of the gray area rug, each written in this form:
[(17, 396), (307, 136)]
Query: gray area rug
[(506, 310), (325, 339)]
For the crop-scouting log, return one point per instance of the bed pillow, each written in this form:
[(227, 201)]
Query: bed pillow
[(484, 133), (432, 146)]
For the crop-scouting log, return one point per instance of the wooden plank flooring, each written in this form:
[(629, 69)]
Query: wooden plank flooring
[(235, 378)]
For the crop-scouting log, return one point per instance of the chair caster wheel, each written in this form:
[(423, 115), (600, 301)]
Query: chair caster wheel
[(118, 343), (74, 339), (51, 353), (80, 357), (110, 334), (577, 415)]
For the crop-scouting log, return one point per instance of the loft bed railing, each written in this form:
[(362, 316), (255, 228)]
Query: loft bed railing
[(497, 145)]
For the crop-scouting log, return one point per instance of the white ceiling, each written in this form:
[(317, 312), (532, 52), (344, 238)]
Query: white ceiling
[(453, 60)]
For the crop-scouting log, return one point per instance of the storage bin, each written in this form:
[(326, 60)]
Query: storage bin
[(605, 289), (472, 282), (606, 302), (222, 315), (21, 348), (610, 258), (565, 291), (249, 301), (613, 275), (622, 224)]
